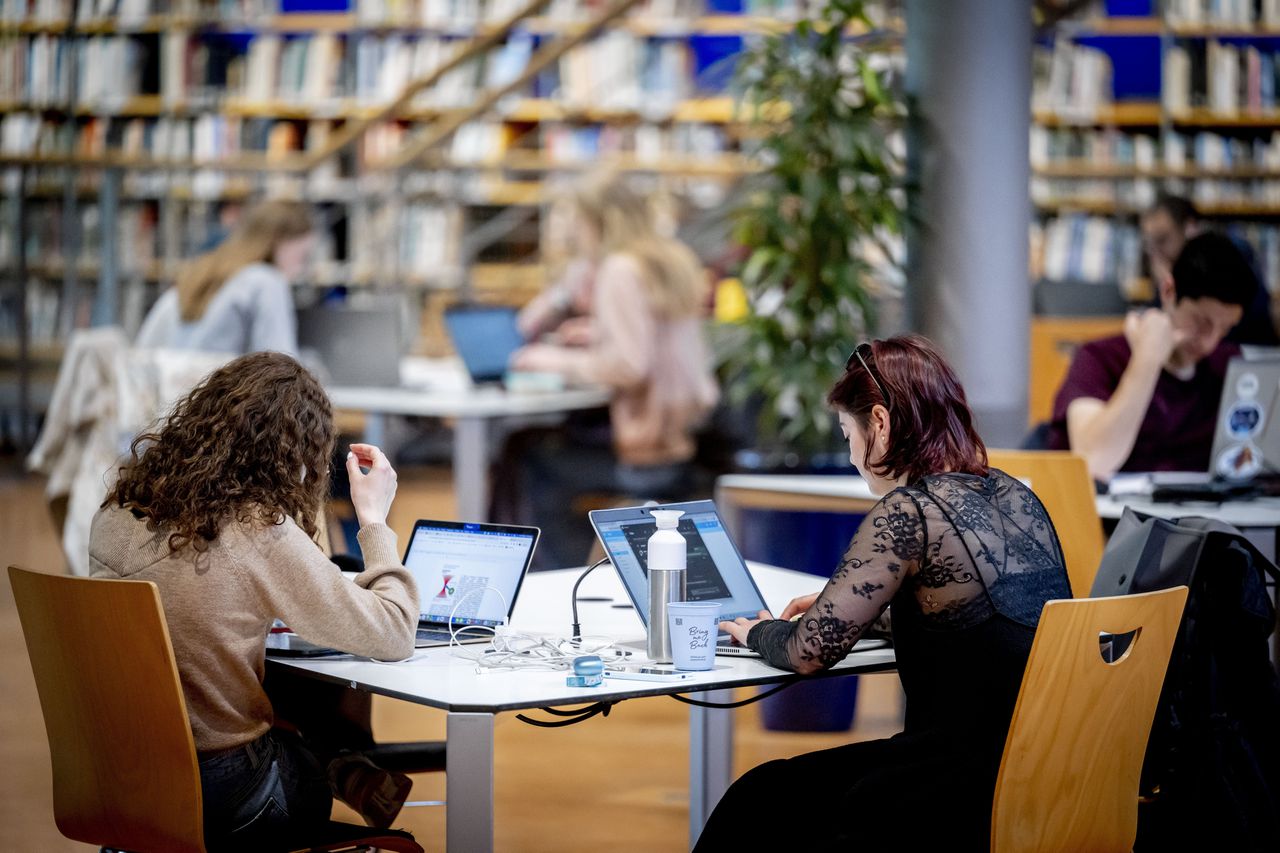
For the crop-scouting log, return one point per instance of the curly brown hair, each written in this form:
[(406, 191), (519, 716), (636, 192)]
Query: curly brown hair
[(251, 442)]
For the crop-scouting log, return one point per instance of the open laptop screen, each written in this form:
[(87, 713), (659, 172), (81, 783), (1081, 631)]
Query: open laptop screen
[(485, 336), (454, 564), (714, 569)]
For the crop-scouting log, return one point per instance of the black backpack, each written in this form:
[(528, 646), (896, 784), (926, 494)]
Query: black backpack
[(1211, 777)]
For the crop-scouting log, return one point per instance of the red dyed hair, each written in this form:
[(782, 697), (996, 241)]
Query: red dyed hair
[(931, 427)]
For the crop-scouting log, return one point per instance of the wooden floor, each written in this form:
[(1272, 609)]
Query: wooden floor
[(618, 783)]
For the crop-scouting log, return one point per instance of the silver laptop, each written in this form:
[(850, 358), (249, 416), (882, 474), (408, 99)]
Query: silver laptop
[(468, 576), (358, 346), (715, 569), (1246, 440)]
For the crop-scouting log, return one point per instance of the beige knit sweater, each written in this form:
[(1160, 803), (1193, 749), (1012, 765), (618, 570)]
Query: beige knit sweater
[(220, 605)]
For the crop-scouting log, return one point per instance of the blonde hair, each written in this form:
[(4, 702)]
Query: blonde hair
[(625, 221), (254, 241)]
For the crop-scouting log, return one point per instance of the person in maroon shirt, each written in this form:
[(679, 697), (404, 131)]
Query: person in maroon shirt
[(1147, 400)]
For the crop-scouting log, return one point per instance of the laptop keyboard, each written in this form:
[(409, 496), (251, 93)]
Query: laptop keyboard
[(433, 635)]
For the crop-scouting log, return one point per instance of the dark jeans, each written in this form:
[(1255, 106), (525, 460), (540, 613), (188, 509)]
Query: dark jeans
[(268, 791), (261, 794)]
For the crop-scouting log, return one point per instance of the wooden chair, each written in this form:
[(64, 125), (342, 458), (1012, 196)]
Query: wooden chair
[(1072, 761), (1061, 481), (125, 773)]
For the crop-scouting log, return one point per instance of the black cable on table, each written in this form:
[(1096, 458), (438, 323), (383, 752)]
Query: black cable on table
[(576, 631), (572, 717), (739, 704)]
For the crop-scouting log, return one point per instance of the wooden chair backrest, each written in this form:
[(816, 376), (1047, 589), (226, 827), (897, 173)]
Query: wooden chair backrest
[(125, 773), (1061, 480), (1070, 773)]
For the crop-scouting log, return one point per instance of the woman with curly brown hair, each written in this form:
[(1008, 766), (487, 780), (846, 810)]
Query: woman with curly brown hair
[(217, 506)]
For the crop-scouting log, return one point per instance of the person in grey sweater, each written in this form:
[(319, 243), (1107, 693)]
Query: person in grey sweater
[(218, 505), (237, 298)]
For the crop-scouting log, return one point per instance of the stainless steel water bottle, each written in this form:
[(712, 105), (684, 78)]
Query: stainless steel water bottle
[(666, 557)]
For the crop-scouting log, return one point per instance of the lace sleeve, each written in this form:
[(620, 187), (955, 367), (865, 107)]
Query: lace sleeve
[(885, 550)]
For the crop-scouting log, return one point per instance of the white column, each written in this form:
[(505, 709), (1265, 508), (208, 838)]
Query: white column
[(969, 75)]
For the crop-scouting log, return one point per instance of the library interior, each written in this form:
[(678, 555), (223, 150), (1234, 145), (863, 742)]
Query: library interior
[(640, 425)]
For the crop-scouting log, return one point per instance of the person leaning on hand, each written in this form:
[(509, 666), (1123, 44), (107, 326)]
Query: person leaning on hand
[(1147, 400), (218, 506)]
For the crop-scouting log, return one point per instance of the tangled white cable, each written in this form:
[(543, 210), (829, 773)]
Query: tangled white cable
[(511, 650)]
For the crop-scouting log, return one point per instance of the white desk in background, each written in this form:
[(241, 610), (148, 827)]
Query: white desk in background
[(1258, 519), (440, 388), (846, 493), (435, 677)]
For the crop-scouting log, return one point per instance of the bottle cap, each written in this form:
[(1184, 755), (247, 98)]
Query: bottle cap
[(667, 519)]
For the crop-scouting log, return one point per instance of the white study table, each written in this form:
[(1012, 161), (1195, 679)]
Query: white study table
[(440, 387), (435, 677), (1258, 519)]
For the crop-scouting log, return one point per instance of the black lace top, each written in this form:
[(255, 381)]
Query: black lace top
[(968, 563)]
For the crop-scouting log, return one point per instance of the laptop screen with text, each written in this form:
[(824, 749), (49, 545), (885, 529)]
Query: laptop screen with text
[(458, 565), (714, 570)]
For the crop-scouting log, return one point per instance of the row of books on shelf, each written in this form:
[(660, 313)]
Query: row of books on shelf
[(56, 12), (458, 15), (1223, 78), (617, 70), (416, 240), (1212, 195), (1099, 250), (209, 139), (1070, 79), (44, 312), (1169, 152), (1085, 249), (1222, 13)]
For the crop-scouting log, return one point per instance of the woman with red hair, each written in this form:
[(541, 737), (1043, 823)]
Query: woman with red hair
[(967, 556)]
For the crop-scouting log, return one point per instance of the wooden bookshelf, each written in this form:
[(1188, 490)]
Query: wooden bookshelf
[(170, 196), (1122, 25), (1183, 31), (1099, 148), (1120, 171), (1209, 118), (1103, 207), (1124, 114)]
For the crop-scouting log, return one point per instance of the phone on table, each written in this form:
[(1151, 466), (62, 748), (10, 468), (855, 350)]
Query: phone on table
[(644, 672)]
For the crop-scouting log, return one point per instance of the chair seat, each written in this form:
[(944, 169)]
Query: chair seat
[(411, 757), (345, 836)]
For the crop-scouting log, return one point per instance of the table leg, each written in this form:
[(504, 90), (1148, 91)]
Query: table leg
[(469, 784), (710, 758), (471, 468)]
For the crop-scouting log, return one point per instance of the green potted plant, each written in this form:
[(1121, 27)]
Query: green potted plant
[(820, 226), (821, 223)]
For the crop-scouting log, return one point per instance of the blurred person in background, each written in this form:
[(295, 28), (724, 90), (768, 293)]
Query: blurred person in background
[(238, 297)]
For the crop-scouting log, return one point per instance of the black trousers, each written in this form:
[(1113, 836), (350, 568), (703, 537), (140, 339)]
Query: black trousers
[(907, 792)]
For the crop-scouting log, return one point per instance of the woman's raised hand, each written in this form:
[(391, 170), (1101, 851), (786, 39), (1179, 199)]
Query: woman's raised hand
[(371, 493)]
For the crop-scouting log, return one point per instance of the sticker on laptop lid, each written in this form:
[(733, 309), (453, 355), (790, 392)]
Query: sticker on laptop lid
[(1239, 461), (1244, 419)]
